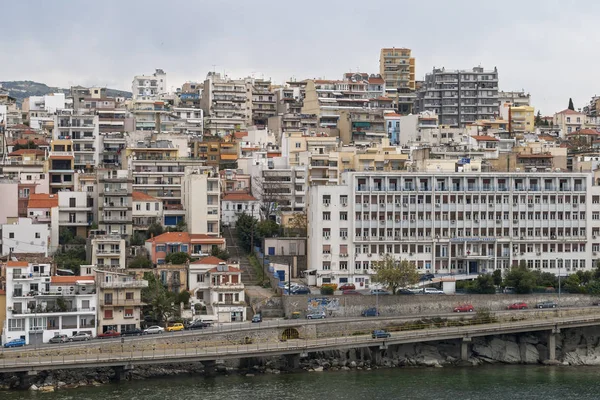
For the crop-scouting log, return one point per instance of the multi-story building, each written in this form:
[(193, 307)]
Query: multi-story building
[(39, 110), (40, 306), (74, 213), (216, 153), (40, 206), (83, 129), (568, 121), (460, 97), (149, 86), (24, 237), (522, 119), (196, 245), (115, 203), (397, 70), (224, 104), (366, 126), (201, 199), (119, 300), (61, 168), (263, 102), (235, 204), (459, 223), (171, 276), (515, 99), (147, 210), (106, 250)]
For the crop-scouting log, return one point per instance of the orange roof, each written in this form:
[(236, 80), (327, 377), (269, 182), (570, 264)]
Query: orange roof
[(140, 196), (22, 152), (229, 269), (42, 200), (239, 135), (568, 111), (271, 154), (212, 260), (229, 157), (70, 279), (485, 138), (171, 237), (376, 80), (61, 157), (17, 264), (584, 132), (392, 115), (238, 197)]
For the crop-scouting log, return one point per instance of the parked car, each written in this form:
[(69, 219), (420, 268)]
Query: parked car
[(80, 337), (59, 339), (197, 325), (351, 293), (257, 318), (370, 312), (178, 326), (300, 290), (509, 290), (315, 315), (153, 329), (426, 277), (517, 306), (405, 292), (464, 308), (430, 290), (347, 286), (546, 304), (132, 332), (15, 343), (108, 334), (380, 334), (379, 292)]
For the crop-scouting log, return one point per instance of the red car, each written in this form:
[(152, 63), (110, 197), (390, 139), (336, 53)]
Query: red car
[(351, 293), (517, 306), (464, 308), (347, 286), (109, 334)]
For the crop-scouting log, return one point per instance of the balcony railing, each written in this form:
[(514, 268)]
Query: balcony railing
[(53, 310), (124, 284)]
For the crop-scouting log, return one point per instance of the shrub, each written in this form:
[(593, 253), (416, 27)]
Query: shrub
[(332, 285), (327, 290)]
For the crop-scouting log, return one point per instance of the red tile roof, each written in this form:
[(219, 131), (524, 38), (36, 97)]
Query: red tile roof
[(568, 111), (239, 135), (17, 264), (229, 269), (140, 196), (394, 115), (42, 200), (22, 152), (171, 237), (238, 197), (70, 279), (212, 260), (376, 80), (485, 138), (584, 132)]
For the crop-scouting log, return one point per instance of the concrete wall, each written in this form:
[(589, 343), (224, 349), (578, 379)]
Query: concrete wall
[(352, 306)]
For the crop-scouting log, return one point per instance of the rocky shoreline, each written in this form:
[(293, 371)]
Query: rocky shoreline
[(574, 347)]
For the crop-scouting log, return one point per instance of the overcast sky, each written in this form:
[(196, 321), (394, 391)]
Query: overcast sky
[(547, 47)]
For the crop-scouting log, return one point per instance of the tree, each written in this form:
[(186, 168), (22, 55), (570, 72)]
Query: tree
[(497, 275), (161, 304), (571, 106), (178, 258), (521, 278), (29, 145), (538, 119), (395, 273), (71, 259), (155, 229), (222, 254), (65, 235), (299, 223), (246, 230), (484, 284), (140, 262), (270, 190), (573, 284), (267, 228), (180, 227)]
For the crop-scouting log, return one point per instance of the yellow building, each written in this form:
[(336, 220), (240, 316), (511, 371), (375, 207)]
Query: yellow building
[(522, 119), (397, 68)]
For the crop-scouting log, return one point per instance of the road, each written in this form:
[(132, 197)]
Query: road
[(275, 323)]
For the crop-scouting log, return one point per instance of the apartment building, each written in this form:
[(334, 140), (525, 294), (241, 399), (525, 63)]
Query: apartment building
[(514, 98), (61, 167), (263, 102), (201, 199), (106, 250), (172, 276), (460, 97), (235, 204), (362, 127), (568, 121), (40, 206), (115, 202), (74, 213), (470, 222), (119, 300), (196, 245), (397, 71), (224, 104), (82, 128), (235, 181), (23, 236), (39, 110), (215, 152), (149, 86), (147, 210), (522, 119), (188, 120), (40, 306)]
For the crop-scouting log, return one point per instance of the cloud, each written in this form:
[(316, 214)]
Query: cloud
[(544, 47)]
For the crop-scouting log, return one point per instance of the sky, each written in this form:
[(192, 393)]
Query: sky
[(547, 47)]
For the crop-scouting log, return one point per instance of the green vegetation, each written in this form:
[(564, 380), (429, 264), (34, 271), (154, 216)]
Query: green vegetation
[(177, 258), (140, 262), (394, 273), (327, 290), (161, 304), (571, 106), (251, 232), (71, 259), (222, 254)]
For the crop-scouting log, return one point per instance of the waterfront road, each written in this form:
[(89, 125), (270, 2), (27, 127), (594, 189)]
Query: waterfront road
[(196, 352)]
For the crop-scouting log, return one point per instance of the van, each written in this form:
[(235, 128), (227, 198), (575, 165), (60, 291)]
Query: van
[(429, 290)]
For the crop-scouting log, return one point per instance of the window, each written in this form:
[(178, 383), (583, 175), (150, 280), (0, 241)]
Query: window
[(11, 235), (199, 277), (326, 216), (37, 235), (72, 202), (138, 207), (298, 145), (326, 249), (108, 298), (155, 206), (162, 248), (108, 314), (147, 206), (129, 296), (344, 265), (129, 313), (343, 216)]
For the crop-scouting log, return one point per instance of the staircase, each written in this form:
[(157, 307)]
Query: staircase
[(238, 254)]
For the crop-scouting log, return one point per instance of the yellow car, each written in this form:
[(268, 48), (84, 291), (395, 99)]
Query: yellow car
[(175, 327)]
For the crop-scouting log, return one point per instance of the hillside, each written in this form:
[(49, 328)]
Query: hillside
[(23, 89)]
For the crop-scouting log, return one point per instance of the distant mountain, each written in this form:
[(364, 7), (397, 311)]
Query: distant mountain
[(20, 90)]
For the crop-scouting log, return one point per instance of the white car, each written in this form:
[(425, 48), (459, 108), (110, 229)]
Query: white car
[(154, 329), (428, 290), (80, 337)]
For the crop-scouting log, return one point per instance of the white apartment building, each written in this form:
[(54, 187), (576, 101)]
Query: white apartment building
[(460, 223), (40, 306), (235, 204), (147, 210), (24, 237), (149, 86), (115, 203), (40, 109), (201, 199), (107, 250), (74, 212), (224, 104), (82, 127)]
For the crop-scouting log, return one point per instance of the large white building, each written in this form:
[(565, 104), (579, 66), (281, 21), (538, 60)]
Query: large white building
[(40, 306), (82, 127), (201, 198), (149, 86), (24, 237), (467, 222)]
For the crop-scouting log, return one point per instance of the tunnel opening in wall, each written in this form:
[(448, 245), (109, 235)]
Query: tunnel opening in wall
[(290, 333)]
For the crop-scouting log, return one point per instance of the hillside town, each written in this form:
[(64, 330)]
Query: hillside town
[(127, 213)]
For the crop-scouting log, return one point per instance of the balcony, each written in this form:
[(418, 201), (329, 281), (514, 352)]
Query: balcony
[(31, 275), (124, 284), (120, 302), (55, 310), (75, 222)]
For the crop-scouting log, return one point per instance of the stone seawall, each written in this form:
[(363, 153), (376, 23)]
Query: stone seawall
[(353, 306)]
